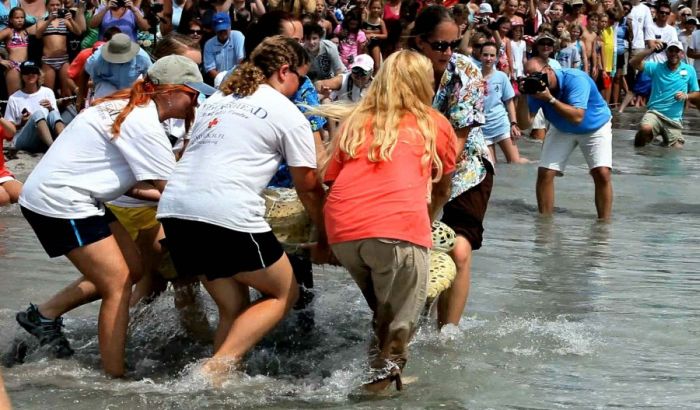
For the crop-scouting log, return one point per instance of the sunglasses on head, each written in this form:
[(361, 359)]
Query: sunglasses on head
[(444, 45)]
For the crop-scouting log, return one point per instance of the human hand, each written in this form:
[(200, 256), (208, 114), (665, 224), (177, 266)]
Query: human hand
[(544, 95), (46, 104), (681, 96), (129, 5), (6, 64), (322, 254), (515, 132)]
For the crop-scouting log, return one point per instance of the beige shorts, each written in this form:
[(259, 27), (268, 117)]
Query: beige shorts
[(393, 277), (670, 131)]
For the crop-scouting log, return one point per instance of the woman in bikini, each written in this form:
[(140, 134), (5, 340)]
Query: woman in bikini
[(16, 40), (54, 32)]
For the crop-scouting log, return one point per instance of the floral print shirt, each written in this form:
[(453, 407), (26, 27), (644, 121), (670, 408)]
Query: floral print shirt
[(305, 95), (460, 98)]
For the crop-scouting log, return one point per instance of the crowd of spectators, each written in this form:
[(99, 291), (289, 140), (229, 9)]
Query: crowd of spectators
[(60, 54)]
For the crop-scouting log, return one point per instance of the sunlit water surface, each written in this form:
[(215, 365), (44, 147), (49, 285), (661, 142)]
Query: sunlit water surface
[(564, 312)]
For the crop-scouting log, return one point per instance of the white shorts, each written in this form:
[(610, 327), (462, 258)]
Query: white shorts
[(596, 148), (539, 122), (496, 139)]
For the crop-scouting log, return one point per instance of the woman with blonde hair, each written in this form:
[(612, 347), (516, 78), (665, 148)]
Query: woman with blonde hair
[(116, 146), (390, 172), (212, 206)]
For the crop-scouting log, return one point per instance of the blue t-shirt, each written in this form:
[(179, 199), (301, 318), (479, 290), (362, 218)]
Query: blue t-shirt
[(499, 91), (666, 83), (576, 88)]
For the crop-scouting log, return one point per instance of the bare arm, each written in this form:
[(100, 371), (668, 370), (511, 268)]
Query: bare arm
[(42, 25), (440, 194), (96, 18), (147, 190), (637, 61), (8, 127), (523, 115), (258, 8), (311, 194)]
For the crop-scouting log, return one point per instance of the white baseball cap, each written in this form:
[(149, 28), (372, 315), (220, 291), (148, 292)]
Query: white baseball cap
[(364, 61)]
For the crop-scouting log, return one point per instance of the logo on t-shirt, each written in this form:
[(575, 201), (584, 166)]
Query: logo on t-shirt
[(213, 122)]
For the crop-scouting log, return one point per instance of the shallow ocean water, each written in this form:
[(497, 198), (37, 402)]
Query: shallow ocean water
[(564, 312)]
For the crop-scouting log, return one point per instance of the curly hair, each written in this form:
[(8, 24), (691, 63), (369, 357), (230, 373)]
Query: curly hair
[(266, 59)]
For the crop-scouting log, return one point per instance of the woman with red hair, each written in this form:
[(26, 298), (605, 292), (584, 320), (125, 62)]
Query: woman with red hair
[(116, 146)]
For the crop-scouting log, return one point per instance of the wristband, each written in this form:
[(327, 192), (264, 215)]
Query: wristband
[(513, 123), (552, 100)]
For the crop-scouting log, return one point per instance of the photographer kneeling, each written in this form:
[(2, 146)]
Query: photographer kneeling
[(671, 82), (578, 116)]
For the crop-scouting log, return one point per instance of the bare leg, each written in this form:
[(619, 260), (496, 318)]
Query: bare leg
[(644, 136), (280, 288), (628, 99), (492, 149), (44, 133), (545, 190), (9, 192), (49, 76), (12, 80), (4, 399), (83, 290), (510, 150), (231, 299), (451, 302), (602, 178), (103, 264)]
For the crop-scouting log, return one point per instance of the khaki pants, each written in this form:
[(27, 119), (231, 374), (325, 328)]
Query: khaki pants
[(393, 277)]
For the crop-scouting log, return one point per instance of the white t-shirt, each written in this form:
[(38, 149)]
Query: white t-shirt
[(348, 91), (173, 127), (235, 149), (88, 166), (666, 34), (695, 45), (20, 100), (641, 19)]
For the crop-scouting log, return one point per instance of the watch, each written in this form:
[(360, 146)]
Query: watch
[(552, 100)]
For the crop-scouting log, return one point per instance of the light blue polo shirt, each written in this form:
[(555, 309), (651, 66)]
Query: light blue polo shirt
[(666, 83), (577, 89)]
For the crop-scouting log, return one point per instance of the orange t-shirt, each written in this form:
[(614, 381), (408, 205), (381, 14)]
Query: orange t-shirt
[(387, 199)]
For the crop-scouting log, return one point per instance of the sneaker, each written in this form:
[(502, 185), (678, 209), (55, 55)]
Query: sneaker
[(47, 331)]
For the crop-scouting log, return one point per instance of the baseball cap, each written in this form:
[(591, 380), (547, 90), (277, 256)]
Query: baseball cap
[(544, 36), (221, 21), (119, 49), (363, 61), (676, 44), (485, 8), (174, 69), (691, 20), (29, 67)]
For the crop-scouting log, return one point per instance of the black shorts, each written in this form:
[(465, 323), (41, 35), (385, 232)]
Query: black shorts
[(60, 236), (200, 248), (465, 213)]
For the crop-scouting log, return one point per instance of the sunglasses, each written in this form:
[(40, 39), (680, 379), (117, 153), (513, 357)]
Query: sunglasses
[(444, 45), (663, 13), (546, 43), (360, 72), (196, 32), (686, 15)]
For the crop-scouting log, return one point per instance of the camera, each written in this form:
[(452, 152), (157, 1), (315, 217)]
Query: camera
[(62, 13), (156, 8), (121, 3), (482, 20), (663, 47), (533, 83)]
